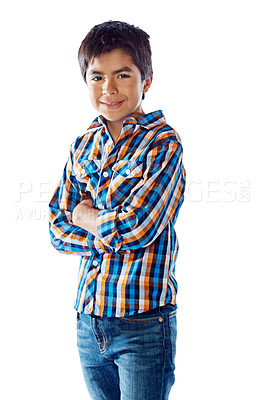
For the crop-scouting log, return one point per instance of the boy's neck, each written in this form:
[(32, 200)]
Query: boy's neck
[(115, 129)]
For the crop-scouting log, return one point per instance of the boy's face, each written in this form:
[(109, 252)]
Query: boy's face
[(115, 86)]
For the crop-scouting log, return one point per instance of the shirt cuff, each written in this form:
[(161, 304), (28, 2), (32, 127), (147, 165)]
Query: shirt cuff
[(95, 245), (106, 229)]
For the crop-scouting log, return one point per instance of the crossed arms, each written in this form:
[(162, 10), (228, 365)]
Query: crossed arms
[(77, 227)]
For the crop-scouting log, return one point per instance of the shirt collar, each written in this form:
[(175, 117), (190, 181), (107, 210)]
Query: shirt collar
[(147, 121), (150, 120)]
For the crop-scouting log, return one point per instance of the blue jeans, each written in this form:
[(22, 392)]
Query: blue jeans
[(128, 358)]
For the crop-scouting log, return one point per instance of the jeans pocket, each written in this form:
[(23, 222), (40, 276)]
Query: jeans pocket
[(173, 335), (141, 321)]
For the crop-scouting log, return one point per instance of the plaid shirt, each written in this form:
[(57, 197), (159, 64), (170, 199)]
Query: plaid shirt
[(138, 186)]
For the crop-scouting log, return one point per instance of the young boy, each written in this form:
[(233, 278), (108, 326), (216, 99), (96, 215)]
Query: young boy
[(116, 206)]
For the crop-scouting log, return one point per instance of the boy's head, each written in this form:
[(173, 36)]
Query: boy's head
[(113, 35)]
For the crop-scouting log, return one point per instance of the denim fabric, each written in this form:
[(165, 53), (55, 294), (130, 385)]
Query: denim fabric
[(128, 358)]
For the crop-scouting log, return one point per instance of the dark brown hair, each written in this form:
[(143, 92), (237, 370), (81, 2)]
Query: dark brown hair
[(113, 35)]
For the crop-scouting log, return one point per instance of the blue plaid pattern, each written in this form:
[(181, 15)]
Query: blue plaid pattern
[(138, 186)]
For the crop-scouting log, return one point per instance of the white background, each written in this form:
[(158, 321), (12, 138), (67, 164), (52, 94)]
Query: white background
[(209, 79)]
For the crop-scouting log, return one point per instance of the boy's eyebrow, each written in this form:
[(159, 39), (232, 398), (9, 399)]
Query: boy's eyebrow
[(124, 69)]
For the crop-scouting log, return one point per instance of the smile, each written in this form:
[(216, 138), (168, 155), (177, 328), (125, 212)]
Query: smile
[(112, 105)]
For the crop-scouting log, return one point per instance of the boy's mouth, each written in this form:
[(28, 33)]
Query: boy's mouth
[(112, 105)]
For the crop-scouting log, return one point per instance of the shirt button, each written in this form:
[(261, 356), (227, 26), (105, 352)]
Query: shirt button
[(128, 171), (83, 171), (105, 174), (100, 206), (160, 319), (95, 263)]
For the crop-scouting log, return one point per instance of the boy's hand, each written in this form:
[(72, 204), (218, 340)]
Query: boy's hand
[(86, 200), (84, 216)]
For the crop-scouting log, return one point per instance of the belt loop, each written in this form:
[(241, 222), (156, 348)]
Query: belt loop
[(78, 316)]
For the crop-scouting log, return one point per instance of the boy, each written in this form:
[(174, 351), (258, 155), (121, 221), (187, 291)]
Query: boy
[(116, 206)]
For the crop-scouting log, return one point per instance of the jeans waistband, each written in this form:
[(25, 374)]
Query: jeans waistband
[(167, 309)]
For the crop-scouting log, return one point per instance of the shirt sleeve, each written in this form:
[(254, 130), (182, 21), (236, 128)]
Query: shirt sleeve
[(145, 213), (66, 237)]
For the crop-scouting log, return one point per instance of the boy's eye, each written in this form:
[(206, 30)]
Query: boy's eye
[(123, 76), (96, 78)]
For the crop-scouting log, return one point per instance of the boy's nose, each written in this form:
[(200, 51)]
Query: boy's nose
[(109, 88)]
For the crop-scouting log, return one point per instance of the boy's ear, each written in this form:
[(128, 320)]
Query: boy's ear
[(147, 84)]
